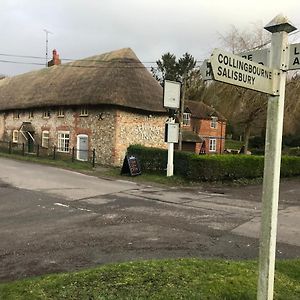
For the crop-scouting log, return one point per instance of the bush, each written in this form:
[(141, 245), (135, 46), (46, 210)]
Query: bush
[(257, 142), (209, 167)]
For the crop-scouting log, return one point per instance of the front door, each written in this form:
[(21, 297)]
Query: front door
[(30, 142), (82, 147)]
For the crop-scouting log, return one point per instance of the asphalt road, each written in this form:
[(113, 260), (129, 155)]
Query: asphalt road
[(53, 220)]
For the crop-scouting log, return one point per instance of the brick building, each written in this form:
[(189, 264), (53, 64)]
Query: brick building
[(105, 102), (203, 129)]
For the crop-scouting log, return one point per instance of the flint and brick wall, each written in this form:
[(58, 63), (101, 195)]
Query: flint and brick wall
[(134, 128), (110, 131)]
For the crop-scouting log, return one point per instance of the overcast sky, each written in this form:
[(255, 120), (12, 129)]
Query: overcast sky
[(83, 28)]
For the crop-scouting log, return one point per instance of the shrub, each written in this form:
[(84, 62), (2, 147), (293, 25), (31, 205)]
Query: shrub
[(210, 167)]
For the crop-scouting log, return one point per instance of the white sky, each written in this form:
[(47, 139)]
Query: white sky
[(83, 28)]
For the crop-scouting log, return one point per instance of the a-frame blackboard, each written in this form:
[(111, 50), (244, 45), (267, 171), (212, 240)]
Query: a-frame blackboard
[(131, 166)]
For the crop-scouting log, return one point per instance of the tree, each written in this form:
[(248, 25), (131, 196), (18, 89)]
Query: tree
[(244, 108), (169, 68)]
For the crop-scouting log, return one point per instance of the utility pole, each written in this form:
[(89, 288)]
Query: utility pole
[(47, 32)]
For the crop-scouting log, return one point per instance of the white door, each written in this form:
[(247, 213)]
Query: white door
[(82, 147)]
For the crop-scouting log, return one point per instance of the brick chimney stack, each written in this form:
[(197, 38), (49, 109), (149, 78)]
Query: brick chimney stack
[(55, 59)]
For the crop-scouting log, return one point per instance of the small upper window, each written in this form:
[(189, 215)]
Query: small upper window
[(186, 119), (46, 114), (15, 136), (213, 122), (16, 114), (61, 112), (30, 114), (84, 111)]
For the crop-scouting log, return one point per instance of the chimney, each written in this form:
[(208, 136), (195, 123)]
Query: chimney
[(55, 59)]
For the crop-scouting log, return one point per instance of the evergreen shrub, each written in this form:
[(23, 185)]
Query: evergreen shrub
[(209, 167)]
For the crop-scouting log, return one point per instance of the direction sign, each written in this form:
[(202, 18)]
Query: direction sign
[(261, 57), (294, 57), (205, 70), (233, 69)]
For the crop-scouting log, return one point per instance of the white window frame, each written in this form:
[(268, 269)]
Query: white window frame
[(63, 142), (61, 112), (214, 122), (15, 136), (212, 145), (186, 119), (45, 139), (84, 111)]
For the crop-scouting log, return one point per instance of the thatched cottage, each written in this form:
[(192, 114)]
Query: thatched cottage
[(105, 102)]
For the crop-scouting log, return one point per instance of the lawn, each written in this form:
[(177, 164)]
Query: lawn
[(160, 279)]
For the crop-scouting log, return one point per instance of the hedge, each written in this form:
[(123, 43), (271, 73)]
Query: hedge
[(209, 167)]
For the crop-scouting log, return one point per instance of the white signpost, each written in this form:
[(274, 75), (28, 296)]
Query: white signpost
[(171, 101), (235, 70)]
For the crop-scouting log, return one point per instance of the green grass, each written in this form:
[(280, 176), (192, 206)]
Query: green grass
[(166, 279), (67, 164)]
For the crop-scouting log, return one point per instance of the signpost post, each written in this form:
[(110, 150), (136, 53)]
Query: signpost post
[(279, 27), (171, 102), (238, 71)]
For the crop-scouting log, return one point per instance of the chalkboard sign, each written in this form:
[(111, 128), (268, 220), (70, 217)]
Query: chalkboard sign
[(131, 166)]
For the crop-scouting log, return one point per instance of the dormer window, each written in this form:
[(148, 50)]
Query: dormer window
[(186, 119), (214, 122)]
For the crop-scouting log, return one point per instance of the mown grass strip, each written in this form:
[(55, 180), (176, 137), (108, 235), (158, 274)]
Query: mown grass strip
[(165, 279)]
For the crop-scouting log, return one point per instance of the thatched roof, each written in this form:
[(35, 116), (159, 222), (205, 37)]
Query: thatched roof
[(114, 78), (201, 110)]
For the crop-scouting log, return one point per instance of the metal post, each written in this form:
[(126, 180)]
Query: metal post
[(170, 165), (9, 147), (73, 154), (183, 87), (279, 46), (54, 152), (23, 149), (37, 150), (94, 157)]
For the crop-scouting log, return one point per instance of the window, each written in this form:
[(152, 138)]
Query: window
[(45, 139), (213, 122), (212, 145), (63, 141), (84, 111), (46, 114), (15, 136), (186, 119), (61, 112), (16, 115), (30, 114)]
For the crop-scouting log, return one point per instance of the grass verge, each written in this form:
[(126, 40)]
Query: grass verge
[(66, 164), (165, 279)]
